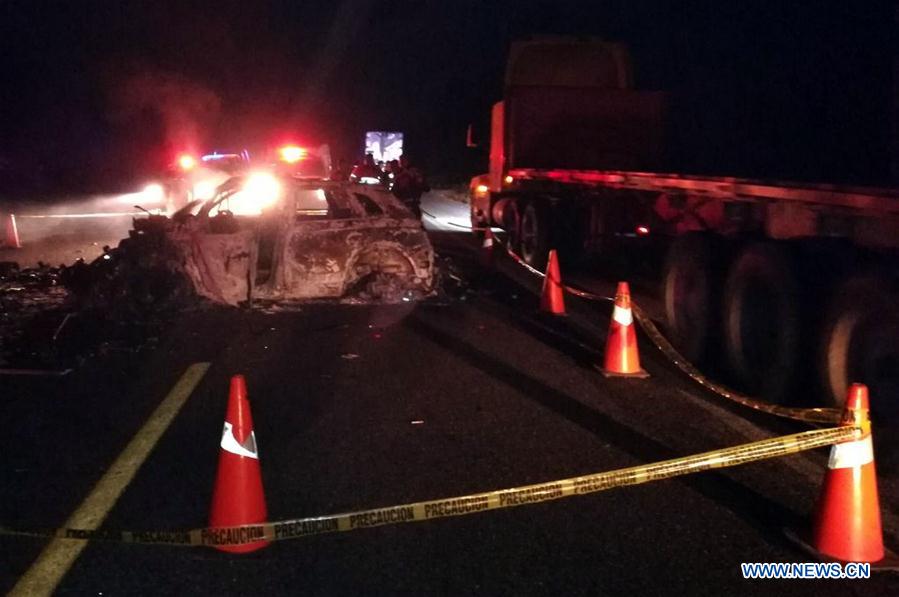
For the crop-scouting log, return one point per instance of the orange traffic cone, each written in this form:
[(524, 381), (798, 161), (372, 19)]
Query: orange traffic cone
[(12, 233), (487, 248), (622, 358), (847, 521), (238, 498), (552, 300)]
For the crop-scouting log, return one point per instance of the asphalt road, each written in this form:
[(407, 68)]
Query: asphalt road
[(363, 406)]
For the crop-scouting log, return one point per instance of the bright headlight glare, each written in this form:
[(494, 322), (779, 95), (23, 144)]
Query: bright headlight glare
[(153, 193), (187, 162), (262, 189), (204, 190)]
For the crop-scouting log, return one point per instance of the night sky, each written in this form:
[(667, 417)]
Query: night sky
[(101, 94)]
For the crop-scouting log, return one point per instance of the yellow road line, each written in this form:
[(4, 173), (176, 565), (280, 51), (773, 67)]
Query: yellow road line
[(59, 555)]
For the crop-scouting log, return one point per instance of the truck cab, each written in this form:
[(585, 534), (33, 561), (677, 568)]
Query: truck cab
[(568, 104)]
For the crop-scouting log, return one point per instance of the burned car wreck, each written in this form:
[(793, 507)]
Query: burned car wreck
[(274, 238)]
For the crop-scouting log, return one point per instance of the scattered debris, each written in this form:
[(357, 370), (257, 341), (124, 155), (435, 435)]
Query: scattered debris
[(25, 296), (8, 268), (47, 327)]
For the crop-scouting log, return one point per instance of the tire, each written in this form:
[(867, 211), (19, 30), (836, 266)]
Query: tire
[(761, 324), (512, 224), (691, 307), (860, 343), (535, 235)]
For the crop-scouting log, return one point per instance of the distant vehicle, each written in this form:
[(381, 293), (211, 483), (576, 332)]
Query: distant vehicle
[(212, 170), (274, 237), (189, 177), (303, 162)]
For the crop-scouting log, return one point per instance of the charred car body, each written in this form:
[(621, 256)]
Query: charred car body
[(276, 238)]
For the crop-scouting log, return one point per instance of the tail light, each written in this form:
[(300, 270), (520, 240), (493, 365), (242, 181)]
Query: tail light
[(292, 153)]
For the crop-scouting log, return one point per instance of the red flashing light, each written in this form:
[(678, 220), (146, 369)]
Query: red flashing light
[(187, 161), (292, 153), (642, 230)]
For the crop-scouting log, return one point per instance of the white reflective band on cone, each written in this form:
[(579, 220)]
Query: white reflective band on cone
[(851, 454), (622, 316), (230, 443)]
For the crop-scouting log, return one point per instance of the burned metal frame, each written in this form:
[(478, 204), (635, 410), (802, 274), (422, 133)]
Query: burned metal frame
[(284, 255)]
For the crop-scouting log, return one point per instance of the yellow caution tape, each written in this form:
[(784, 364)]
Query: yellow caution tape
[(469, 504), (808, 415)]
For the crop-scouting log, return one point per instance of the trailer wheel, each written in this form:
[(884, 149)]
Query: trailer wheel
[(511, 220), (860, 343), (761, 321), (687, 284), (534, 241)]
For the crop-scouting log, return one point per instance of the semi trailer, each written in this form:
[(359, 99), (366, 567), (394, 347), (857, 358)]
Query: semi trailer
[(792, 286)]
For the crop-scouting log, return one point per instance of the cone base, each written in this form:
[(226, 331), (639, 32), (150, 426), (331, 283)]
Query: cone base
[(246, 548), (548, 313), (847, 523), (641, 374), (803, 540)]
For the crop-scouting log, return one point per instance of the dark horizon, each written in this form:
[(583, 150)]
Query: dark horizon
[(96, 94)]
